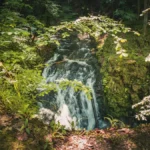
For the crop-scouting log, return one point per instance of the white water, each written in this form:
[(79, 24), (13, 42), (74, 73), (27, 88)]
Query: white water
[(73, 106)]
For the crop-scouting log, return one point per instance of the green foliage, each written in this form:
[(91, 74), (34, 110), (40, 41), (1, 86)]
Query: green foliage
[(76, 85), (96, 27), (125, 79), (64, 84), (16, 5), (18, 91), (19, 76), (127, 15), (57, 130), (115, 123), (120, 9), (49, 10), (25, 126)]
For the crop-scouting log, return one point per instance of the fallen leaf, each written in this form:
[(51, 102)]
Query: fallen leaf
[(22, 136)]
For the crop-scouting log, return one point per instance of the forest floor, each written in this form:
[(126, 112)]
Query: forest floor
[(107, 139), (15, 135)]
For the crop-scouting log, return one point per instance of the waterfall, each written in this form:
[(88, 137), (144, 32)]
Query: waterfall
[(73, 60)]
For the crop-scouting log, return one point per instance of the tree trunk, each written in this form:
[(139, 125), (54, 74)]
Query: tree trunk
[(138, 7)]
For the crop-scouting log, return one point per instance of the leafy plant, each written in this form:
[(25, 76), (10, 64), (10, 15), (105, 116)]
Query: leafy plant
[(127, 15), (25, 126), (115, 123), (63, 84), (57, 130)]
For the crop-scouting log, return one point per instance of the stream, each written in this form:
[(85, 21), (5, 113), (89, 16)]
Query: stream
[(74, 60)]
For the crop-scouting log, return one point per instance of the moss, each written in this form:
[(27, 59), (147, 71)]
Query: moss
[(117, 140), (12, 137), (142, 136), (125, 80)]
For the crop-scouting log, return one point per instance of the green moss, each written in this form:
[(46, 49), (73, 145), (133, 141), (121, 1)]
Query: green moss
[(125, 80), (142, 136)]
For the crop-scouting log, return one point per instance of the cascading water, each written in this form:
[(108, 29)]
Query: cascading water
[(73, 60)]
